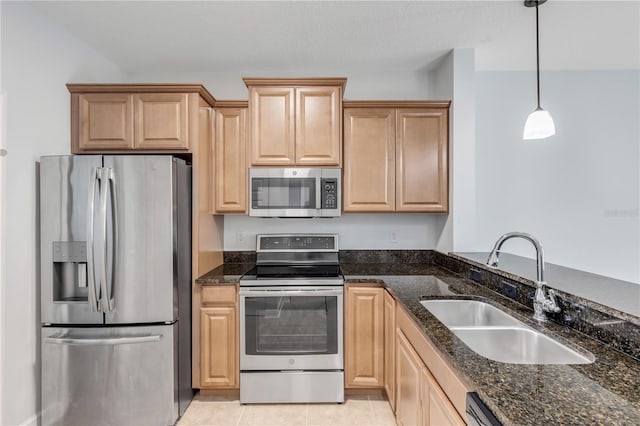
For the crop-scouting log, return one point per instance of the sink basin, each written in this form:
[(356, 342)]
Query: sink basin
[(496, 335), (518, 345), (468, 313)]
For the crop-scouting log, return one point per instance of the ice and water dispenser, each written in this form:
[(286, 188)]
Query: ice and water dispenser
[(70, 271)]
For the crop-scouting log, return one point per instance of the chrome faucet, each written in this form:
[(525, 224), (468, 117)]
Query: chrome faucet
[(541, 302)]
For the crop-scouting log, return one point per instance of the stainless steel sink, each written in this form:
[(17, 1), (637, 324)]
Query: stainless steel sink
[(468, 313), (496, 335)]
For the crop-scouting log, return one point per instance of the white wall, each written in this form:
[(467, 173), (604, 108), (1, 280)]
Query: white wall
[(3, 204), (37, 60), (356, 231), (577, 191), (361, 84), (455, 79)]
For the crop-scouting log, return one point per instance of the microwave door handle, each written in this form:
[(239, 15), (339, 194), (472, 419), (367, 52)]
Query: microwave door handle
[(114, 239), (318, 193), (91, 266)]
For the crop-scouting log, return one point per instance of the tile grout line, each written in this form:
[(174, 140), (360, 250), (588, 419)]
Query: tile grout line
[(241, 413)]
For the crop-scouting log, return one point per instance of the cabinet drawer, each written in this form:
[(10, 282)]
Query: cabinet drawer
[(223, 295)]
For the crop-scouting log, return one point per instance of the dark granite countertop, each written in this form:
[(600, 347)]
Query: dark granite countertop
[(604, 392), (225, 274)]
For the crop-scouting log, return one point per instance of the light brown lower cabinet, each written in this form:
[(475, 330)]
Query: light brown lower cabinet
[(408, 383), (390, 348), (364, 338), (436, 408), (219, 338), (420, 399)]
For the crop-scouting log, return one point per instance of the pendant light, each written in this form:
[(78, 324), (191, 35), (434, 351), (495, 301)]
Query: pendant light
[(539, 124)]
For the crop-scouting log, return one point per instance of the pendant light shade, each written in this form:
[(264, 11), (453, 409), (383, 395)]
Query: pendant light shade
[(539, 124)]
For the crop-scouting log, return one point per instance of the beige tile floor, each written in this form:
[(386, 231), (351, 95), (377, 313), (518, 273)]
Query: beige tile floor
[(358, 410)]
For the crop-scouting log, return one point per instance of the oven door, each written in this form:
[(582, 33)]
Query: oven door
[(291, 328)]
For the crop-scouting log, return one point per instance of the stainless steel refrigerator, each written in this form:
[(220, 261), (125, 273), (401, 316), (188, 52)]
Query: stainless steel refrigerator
[(115, 274)]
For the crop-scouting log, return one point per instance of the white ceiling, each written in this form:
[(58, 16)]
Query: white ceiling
[(326, 36)]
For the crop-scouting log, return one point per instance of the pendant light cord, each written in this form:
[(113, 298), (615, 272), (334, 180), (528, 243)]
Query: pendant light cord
[(537, 56)]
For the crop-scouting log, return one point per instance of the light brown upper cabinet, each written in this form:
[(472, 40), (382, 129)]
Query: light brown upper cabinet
[(396, 156), (295, 122), (123, 117), (231, 157)]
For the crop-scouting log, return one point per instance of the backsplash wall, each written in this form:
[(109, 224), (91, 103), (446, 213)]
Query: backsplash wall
[(356, 231)]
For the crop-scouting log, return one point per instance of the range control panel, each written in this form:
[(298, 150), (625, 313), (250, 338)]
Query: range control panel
[(324, 242), (329, 193)]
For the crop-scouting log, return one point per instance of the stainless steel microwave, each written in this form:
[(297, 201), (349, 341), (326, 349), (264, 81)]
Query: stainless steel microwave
[(295, 192)]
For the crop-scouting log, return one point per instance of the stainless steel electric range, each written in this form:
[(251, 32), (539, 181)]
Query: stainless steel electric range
[(291, 321)]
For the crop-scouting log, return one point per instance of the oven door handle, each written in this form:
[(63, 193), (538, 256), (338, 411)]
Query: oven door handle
[(281, 292)]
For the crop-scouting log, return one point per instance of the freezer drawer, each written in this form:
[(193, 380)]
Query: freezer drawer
[(109, 376)]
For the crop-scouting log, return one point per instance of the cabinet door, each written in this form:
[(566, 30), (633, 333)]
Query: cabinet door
[(272, 126), (389, 348), (318, 129), (106, 121), (204, 162), (421, 160), (218, 346), (161, 121), (230, 159), (436, 408), (364, 349), (408, 371), (369, 160)]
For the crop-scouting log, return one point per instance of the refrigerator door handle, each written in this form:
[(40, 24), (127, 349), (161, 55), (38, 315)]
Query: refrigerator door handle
[(102, 230), (91, 266), (108, 288), (109, 341)]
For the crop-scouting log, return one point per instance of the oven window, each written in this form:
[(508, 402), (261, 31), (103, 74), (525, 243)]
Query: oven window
[(291, 325), (283, 193)]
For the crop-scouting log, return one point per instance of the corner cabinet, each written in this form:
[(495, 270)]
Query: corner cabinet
[(408, 372), (218, 313), (126, 117), (295, 122), (364, 336), (396, 156), (230, 157), (390, 348), (427, 392)]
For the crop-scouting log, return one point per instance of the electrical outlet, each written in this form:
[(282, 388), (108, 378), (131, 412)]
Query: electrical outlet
[(509, 290), (241, 237), (475, 275), (394, 237)]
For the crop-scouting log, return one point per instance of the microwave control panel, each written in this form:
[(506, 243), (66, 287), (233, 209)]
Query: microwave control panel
[(329, 193)]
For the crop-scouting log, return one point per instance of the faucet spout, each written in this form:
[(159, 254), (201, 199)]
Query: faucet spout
[(494, 255), (544, 300)]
